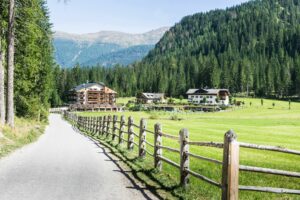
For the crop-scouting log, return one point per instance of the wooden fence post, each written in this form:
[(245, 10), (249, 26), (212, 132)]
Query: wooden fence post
[(89, 124), (82, 123), (85, 123), (130, 140), (122, 128), (184, 157), (104, 125), (108, 126), (230, 169), (95, 125), (142, 139), (92, 125), (78, 122), (100, 126), (157, 144), (115, 118)]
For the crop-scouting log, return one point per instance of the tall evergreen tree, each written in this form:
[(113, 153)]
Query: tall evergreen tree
[(2, 97), (10, 63)]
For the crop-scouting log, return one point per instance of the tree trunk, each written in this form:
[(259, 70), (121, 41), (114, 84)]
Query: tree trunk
[(2, 99), (10, 63)]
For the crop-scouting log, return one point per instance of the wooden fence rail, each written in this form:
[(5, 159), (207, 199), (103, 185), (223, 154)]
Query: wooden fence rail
[(110, 127)]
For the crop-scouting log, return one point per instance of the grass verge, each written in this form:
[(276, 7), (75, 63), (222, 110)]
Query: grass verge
[(24, 132)]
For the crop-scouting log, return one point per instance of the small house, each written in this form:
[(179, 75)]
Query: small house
[(147, 98), (208, 96)]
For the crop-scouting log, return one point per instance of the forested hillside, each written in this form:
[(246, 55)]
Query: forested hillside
[(33, 61), (252, 47)]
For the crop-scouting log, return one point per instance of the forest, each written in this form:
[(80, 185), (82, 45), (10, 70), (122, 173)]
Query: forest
[(26, 81), (250, 48)]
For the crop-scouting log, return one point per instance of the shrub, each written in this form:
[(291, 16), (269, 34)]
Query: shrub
[(174, 117), (153, 116)]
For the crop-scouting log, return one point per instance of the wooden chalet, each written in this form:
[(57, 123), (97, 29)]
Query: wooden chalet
[(92, 96), (146, 98)]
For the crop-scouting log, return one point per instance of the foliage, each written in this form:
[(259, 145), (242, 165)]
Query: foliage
[(251, 49), (33, 57)]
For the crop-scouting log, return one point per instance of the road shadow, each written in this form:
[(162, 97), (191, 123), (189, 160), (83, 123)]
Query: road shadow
[(131, 175)]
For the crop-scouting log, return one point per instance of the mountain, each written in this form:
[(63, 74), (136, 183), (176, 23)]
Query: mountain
[(105, 48), (253, 47)]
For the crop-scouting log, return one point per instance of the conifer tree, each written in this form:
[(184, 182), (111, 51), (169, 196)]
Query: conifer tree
[(10, 63)]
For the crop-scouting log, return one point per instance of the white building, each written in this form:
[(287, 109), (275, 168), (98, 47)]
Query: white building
[(208, 96)]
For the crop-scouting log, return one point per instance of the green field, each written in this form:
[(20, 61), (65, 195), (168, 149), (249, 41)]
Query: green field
[(276, 126)]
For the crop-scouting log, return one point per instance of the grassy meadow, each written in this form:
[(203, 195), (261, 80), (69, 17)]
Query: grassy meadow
[(272, 123)]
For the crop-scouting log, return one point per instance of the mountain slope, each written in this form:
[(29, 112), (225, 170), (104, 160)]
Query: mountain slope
[(87, 48), (253, 46), (123, 56)]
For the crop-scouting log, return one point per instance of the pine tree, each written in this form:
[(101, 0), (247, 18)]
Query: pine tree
[(10, 63), (2, 97)]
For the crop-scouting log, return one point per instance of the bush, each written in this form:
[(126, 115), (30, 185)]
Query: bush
[(153, 116), (137, 107), (171, 101), (174, 117)]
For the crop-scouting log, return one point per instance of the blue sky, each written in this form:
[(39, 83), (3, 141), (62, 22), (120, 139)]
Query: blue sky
[(132, 16)]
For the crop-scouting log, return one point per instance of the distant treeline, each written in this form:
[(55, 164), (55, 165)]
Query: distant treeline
[(252, 47)]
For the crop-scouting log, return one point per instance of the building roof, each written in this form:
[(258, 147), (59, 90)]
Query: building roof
[(206, 91), (191, 91), (153, 95), (109, 91), (87, 85)]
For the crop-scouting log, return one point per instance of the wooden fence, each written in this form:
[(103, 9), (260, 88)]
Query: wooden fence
[(58, 110), (110, 126)]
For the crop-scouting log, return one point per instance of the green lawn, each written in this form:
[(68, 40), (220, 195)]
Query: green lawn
[(276, 126)]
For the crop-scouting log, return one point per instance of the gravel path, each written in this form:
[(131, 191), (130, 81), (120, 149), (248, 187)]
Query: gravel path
[(64, 164)]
